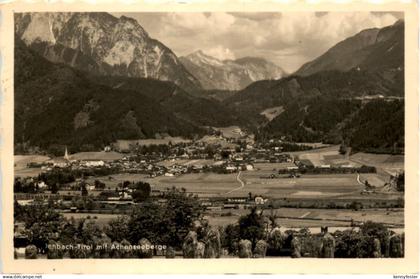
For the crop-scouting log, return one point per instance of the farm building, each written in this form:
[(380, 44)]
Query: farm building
[(25, 202), (260, 200), (249, 167), (94, 163), (292, 168), (214, 208), (197, 167), (206, 204), (42, 185), (59, 162), (231, 168), (237, 200), (238, 158)]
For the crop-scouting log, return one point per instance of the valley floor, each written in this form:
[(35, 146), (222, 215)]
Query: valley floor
[(308, 190)]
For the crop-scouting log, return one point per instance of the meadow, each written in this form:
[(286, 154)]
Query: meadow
[(257, 182), (315, 218), (21, 161), (287, 218)]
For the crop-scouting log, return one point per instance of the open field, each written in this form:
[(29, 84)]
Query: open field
[(337, 186), (376, 180), (305, 186), (395, 216), (320, 148), (272, 113), (302, 217), (203, 184), (386, 164), (21, 162), (288, 218), (389, 164), (327, 157), (231, 132), (27, 172), (216, 140), (380, 159), (313, 225), (101, 219)]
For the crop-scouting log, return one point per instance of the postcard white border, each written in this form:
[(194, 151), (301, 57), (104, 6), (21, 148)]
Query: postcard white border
[(407, 265)]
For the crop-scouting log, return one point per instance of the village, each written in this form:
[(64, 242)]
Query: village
[(241, 168), (169, 160), (276, 178)]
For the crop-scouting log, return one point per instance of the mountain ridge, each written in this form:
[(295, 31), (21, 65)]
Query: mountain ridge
[(333, 106), (102, 44), (229, 74), (57, 105), (362, 51)]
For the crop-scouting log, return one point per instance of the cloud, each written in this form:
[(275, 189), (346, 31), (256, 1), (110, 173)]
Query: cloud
[(220, 53), (260, 16), (287, 39), (198, 22)]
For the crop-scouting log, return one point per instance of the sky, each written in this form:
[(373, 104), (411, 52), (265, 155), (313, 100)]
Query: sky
[(286, 39)]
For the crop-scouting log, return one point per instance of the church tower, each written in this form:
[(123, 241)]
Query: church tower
[(66, 155)]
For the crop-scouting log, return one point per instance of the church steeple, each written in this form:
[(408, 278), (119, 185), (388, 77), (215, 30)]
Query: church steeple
[(66, 154)]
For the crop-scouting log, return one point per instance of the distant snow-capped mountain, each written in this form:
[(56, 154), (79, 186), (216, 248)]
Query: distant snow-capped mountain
[(101, 44), (229, 74)]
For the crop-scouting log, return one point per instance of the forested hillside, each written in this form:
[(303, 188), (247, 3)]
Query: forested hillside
[(376, 126), (57, 105)]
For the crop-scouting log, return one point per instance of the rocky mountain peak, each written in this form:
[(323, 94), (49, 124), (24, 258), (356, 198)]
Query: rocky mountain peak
[(214, 73), (129, 24), (109, 45), (44, 27), (200, 57)]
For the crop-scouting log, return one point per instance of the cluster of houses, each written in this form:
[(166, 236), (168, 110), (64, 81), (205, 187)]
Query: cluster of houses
[(232, 157), (217, 205), (124, 164), (227, 156)]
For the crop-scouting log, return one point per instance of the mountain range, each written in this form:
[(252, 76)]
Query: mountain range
[(101, 44), (342, 72), (105, 45), (87, 79), (326, 98), (236, 74), (56, 105), (376, 50)]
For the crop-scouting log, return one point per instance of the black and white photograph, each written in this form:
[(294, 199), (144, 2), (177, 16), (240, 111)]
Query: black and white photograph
[(209, 135)]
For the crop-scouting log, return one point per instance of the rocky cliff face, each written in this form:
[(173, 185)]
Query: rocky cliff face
[(101, 44), (229, 74)]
